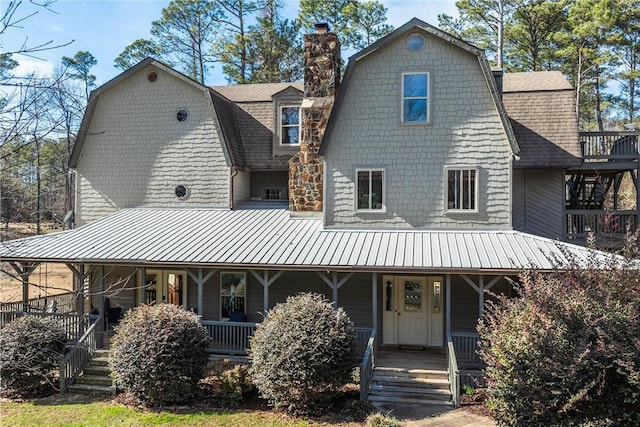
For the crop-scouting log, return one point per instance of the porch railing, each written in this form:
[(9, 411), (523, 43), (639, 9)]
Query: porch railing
[(64, 303), (78, 356), (466, 346), (581, 223), (73, 324), (609, 145), (453, 372), (367, 364), (227, 337), (362, 342)]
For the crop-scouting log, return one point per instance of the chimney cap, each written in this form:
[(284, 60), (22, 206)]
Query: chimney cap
[(322, 28)]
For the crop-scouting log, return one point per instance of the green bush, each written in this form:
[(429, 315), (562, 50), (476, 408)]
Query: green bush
[(301, 353), (381, 420), (30, 348), (158, 353), (566, 351), (234, 382)]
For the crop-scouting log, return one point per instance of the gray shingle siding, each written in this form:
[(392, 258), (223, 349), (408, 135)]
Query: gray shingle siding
[(465, 130), (136, 152)]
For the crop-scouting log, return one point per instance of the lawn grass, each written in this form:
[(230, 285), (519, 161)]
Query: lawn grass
[(77, 410)]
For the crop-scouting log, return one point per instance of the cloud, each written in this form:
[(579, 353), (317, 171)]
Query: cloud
[(27, 65)]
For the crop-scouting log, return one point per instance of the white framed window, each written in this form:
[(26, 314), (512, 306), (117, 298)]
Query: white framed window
[(370, 190), (462, 189), (289, 125), (233, 294), (415, 97)]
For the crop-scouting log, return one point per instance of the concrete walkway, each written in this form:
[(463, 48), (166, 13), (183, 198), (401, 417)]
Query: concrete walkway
[(434, 416)]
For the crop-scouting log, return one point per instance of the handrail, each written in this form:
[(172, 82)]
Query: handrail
[(65, 303), (367, 365), (453, 372), (79, 356)]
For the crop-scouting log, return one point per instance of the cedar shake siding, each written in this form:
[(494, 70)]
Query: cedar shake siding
[(135, 151), (464, 130)]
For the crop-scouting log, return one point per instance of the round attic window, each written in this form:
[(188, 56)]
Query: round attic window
[(152, 76), (182, 115), (415, 42), (182, 192)]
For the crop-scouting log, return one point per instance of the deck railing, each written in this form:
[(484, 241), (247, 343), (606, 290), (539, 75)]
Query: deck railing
[(609, 145), (367, 364), (362, 342), (64, 303), (74, 325), (78, 356), (602, 223), (227, 337), (453, 372)]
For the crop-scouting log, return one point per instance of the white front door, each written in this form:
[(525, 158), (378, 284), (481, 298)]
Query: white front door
[(413, 319), (412, 310)]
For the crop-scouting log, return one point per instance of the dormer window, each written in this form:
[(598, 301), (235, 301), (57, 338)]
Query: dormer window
[(289, 125)]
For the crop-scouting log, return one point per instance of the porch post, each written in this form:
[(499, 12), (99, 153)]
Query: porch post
[(374, 299), (143, 285), (448, 303), (266, 282), (24, 271), (334, 284), (101, 291), (481, 296), (200, 292)]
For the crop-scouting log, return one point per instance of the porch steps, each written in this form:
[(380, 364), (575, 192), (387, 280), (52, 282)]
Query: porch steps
[(395, 385), (96, 377)]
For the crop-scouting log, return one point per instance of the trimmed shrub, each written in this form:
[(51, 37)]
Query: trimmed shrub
[(158, 354), (302, 352), (566, 351), (30, 348)]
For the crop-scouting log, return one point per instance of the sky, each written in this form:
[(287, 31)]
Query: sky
[(106, 27)]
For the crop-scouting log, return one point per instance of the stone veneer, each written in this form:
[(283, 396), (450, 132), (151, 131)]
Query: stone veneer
[(321, 80)]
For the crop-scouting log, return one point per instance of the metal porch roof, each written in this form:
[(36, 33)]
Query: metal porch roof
[(271, 238)]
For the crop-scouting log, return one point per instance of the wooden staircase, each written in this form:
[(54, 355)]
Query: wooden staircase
[(96, 377), (410, 377)]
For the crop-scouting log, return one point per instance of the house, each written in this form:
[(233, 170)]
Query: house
[(403, 190)]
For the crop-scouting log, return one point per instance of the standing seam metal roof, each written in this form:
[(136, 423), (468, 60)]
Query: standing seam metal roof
[(270, 238)]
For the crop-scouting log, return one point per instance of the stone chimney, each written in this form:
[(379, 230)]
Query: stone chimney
[(321, 80)]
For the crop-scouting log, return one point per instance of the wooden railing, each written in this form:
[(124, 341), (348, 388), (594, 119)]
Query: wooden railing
[(362, 342), (367, 364), (78, 356), (609, 145), (453, 372), (602, 223), (64, 303), (466, 346), (229, 337), (74, 325)]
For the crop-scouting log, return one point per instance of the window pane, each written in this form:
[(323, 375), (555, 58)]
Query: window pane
[(415, 110), (472, 189), (415, 86), (412, 296), (290, 116), (376, 190), (363, 190), (290, 135), (451, 190)]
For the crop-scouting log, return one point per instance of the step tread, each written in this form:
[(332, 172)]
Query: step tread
[(412, 371), (390, 399), (417, 381), (98, 368), (91, 388), (94, 379), (379, 388)]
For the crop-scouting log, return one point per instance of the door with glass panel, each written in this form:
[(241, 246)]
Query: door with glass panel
[(165, 286), (412, 310)]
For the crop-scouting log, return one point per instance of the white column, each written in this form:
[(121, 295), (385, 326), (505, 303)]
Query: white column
[(481, 296), (448, 303), (374, 299)]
